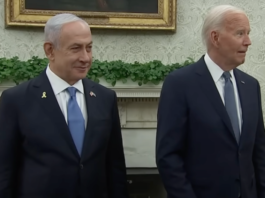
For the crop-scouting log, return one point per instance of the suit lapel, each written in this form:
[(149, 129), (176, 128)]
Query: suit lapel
[(90, 104), (209, 88), (51, 107), (244, 101)]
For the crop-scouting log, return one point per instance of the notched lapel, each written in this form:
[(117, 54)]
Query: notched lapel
[(244, 98), (90, 103), (45, 96), (210, 90)]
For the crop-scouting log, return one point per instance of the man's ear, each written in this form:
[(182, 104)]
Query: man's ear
[(49, 50), (214, 38)]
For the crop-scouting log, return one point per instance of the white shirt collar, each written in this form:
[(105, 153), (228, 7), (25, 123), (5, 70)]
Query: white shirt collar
[(214, 69), (59, 85)]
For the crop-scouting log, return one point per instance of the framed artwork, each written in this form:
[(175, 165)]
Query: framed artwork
[(110, 14)]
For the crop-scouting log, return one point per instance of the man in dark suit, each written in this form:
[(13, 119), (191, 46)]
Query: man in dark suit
[(210, 133), (60, 134)]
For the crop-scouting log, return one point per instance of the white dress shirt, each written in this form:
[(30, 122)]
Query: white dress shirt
[(217, 73), (60, 86)]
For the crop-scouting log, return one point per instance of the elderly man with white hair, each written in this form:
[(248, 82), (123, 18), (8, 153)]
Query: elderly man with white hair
[(210, 132)]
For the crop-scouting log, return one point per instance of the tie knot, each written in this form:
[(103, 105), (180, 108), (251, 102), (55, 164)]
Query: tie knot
[(72, 91), (226, 75)]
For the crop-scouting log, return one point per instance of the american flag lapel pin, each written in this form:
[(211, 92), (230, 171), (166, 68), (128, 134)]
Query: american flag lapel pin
[(92, 94)]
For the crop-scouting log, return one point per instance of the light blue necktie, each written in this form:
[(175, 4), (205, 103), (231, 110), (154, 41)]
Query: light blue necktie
[(230, 104), (76, 122)]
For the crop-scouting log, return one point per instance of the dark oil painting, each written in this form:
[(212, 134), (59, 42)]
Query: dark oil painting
[(125, 6)]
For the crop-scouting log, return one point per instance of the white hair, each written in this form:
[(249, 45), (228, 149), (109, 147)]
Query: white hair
[(54, 25), (215, 19)]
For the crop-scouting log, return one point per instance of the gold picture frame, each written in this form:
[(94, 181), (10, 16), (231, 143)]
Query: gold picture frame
[(16, 14)]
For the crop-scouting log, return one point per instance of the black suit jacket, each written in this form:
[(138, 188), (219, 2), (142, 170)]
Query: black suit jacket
[(38, 158), (196, 150)]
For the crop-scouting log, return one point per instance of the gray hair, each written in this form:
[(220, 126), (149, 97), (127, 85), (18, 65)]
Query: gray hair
[(54, 25), (215, 19)]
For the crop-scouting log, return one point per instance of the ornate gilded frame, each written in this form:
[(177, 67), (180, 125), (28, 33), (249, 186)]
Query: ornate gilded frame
[(165, 19)]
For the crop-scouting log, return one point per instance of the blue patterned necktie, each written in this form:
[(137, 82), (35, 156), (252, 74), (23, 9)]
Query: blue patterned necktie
[(76, 122), (230, 104)]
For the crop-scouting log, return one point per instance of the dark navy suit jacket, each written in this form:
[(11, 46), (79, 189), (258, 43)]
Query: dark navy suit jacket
[(38, 158), (196, 151)]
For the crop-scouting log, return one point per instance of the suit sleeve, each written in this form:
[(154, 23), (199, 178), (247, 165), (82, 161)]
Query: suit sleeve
[(259, 152), (116, 167), (8, 146), (172, 125)]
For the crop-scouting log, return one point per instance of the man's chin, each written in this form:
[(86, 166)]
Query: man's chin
[(81, 77), (242, 61)]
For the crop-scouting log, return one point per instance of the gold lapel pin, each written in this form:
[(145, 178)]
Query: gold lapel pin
[(92, 94), (44, 95)]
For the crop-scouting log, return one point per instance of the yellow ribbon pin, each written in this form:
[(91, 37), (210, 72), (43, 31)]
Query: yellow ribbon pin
[(44, 95)]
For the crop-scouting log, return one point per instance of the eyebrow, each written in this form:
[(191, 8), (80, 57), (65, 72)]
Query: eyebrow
[(244, 30), (90, 43)]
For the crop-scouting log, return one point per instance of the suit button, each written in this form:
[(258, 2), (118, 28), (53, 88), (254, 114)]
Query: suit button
[(81, 166)]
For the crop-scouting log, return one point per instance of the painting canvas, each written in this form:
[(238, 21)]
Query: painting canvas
[(111, 14), (127, 6)]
